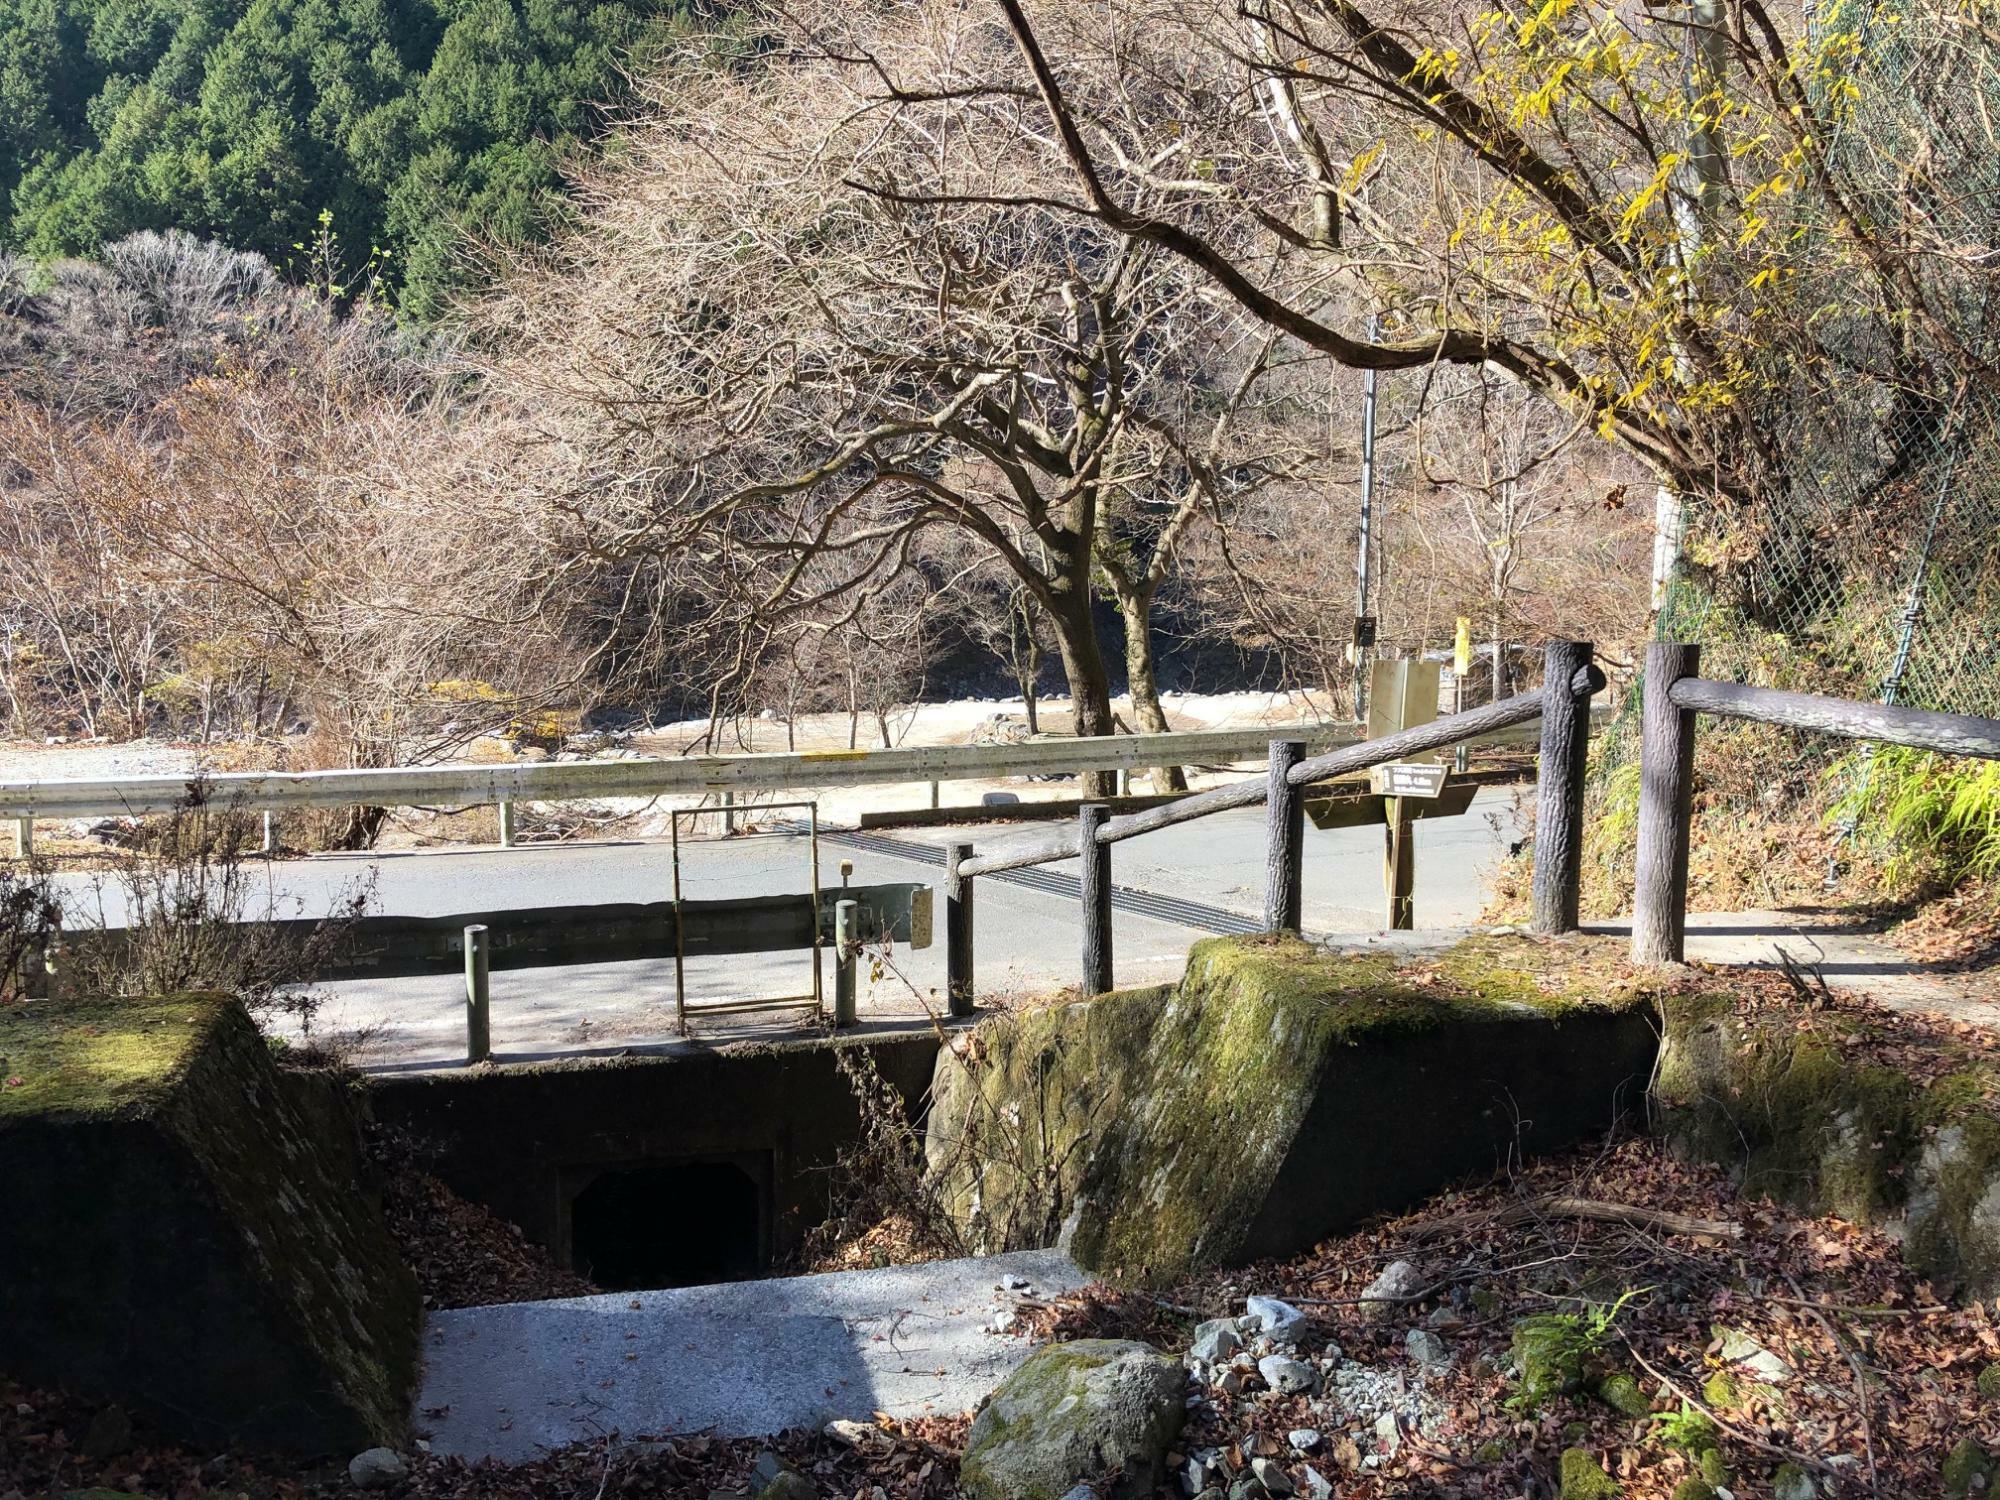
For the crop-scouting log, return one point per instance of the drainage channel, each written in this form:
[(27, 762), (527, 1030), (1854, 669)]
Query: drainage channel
[(1198, 915)]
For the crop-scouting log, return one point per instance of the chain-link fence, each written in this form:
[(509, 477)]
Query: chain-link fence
[(1871, 568)]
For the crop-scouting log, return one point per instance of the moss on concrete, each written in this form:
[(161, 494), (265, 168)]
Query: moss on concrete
[(1195, 1126), (1805, 1118), (97, 1059), (169, 1166)]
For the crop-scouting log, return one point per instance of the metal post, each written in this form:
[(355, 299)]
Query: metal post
[(1666, 806), (24, 838), (506, 825), (729, 812), (934, 796), (846, 944), (270, 833), (957, 931), (478, 998), (1284, 840), (1559, 792), (1096, 883)]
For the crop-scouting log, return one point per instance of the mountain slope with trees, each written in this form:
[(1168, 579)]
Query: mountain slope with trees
[(247, 121)]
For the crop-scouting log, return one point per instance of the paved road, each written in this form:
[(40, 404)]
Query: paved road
[(1180, 884)]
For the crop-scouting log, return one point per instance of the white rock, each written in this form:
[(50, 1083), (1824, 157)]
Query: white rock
[(377, 1468), (1215, 1340), (1305, 1439), (1283, 1322), (1399, 1281), (1387, 1433), (1286, 1376)]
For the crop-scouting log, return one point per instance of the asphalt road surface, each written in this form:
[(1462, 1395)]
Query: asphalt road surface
[(1174, 887)]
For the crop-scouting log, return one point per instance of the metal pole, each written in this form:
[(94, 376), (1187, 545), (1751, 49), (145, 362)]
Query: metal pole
[(846, 944), (1559, 794), (1284, 840), (1367, 518), (957, 931), (1666, 801), (506, 825), (1096, 892), (934, 796), (270, 833), (478, 998), (729, 812)]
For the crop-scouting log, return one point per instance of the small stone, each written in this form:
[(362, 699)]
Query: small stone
[(1271, 1475), (1426, 1348), (790, 1485), (853, 1434), (1230, 1382), (22, 1409), (1283, 1322), (1304, 1439), (1318, 1486), (109, 1434), (377, 1468), (1215, 1341), (1739, 1349), (1286, 1376), (1081, 1492), (1385, 1296), (1793, 1483), (1017, 1283), (1003, 1321), (1444, 1320), (1388, 1435)]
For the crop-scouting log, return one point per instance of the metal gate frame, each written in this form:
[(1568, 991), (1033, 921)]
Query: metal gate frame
[(816, 1000)]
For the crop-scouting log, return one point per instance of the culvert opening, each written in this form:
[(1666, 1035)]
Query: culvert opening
[(668, 1224)]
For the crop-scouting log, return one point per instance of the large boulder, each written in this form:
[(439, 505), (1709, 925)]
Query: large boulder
[(1073, 1413), (186, 1231), (1279, 1094)]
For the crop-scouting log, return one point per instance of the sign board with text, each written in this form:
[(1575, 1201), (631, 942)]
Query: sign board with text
[(1406, 778)]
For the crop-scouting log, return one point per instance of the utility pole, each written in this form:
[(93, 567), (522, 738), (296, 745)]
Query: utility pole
[(1364, 635)]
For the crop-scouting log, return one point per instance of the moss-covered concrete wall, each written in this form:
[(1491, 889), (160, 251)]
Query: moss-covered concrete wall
[(1825, 1119), (186, 1233), (1277, 1095)]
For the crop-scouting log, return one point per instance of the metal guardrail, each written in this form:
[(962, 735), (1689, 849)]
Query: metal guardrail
[(559, 781)]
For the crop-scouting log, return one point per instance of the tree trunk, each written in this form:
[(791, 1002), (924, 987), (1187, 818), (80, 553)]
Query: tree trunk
[(1089, 682), (1142, 677)]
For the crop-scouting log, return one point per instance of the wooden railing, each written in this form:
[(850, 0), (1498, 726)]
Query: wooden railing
[(1674, 696), (1569, 680)]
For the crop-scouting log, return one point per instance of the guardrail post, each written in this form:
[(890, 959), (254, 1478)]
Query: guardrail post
[(1559, 789), (846, 943), (1096, 883), (270, 832), (934, 796), (506, 825), (24, 838), (729, 812), (957, 931), (1666, 806), (1284, 840), (478, 996)]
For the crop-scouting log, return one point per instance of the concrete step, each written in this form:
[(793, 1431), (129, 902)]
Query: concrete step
[(744, 1359)]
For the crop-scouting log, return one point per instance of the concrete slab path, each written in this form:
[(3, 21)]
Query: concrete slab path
[(745, 1359)]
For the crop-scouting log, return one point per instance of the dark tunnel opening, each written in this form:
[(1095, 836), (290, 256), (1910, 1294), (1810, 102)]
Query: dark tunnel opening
[(669, 1224)]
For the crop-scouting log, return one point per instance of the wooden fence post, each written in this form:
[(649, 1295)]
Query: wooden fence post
[(1559, 791), (1666, 803), (846, 923), (1284, 840), (957, 931), (24, 838), (1096, 883), (478, 996)]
